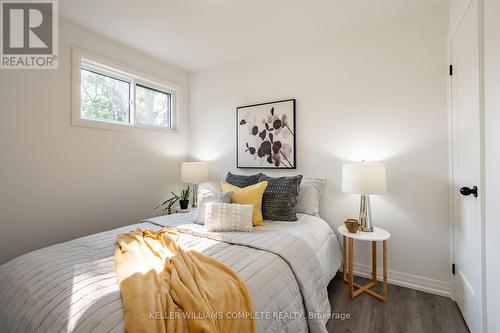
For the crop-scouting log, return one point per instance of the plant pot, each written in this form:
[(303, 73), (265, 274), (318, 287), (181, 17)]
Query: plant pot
[(184, 204)]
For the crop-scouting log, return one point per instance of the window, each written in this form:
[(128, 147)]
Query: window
[(110, 95), (152, 106), (104, 98)]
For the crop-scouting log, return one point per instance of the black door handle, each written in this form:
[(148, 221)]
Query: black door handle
[(468, 191)]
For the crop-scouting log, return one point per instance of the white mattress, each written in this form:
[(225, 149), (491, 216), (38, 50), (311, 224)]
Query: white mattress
[(72, 287)]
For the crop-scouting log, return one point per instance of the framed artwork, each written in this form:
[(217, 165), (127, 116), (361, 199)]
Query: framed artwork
[(266, 135)]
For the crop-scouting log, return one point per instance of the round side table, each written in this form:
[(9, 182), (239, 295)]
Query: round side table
[(377, 235)]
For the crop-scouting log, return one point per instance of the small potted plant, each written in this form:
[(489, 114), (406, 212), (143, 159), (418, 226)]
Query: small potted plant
[(184, 198), (167, 205), (183, 201)]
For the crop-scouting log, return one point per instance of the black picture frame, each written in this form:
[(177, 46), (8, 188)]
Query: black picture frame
[(290, 163)]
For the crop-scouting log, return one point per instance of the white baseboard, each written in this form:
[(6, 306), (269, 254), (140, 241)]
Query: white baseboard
[(407, 280)]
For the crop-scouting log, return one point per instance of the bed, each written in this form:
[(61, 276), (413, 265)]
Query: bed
[(72, 286)]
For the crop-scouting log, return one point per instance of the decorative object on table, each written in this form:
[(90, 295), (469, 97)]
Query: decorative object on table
[(310, 191), (205, 197), (184, 198), (279, 201), (266, 135), (365, 179), (242, 180), (377, 235), (194, 173), (228, 217), (352, 225), (251, 195), (168, 204)]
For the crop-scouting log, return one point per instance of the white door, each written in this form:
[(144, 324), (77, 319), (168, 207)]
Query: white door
[(466, 141)]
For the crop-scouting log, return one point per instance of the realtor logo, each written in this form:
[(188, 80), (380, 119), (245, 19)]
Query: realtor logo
[(29, 34)]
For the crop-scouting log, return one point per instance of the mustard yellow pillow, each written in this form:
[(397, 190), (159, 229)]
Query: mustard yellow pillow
[(250, 195)]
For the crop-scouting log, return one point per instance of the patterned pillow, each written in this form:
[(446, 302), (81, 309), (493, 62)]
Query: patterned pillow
[(242, 180), (280, 198), (205, 197), (228, 217)]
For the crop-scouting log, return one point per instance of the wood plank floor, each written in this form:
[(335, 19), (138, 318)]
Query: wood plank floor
[(406, 310)]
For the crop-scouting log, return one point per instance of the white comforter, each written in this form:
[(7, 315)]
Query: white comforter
[(72, 287)]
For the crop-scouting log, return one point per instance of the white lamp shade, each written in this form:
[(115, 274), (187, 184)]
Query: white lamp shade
[(194, 172), (364, 178)]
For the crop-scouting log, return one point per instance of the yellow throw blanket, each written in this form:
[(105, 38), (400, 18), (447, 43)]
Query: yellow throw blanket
[(166, 288)]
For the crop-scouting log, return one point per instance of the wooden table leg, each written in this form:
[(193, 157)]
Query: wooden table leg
[(374, 261), (351, 286), (355, 289), (344, 249), (385, 270)]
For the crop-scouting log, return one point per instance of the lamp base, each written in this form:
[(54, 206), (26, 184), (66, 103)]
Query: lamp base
[(195, 196), (365, 214)]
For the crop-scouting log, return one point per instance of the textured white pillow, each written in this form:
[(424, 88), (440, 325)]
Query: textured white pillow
[(310, 191), (205, 197), (228, 217)]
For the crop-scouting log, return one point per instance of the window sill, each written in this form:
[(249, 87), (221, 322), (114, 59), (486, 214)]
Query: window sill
[(79, 122)]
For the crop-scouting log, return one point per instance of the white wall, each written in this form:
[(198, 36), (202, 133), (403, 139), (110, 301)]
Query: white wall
[(379, 94), (492, 159), (59, 182)]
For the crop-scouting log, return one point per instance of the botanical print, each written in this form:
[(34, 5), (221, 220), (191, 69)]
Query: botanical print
[(266, 135)]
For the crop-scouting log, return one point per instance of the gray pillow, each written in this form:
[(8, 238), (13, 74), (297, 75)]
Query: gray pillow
[(242, 180), (310, 191), (204, 197), (280, 198)]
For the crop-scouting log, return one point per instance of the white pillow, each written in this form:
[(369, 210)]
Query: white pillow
[(310, 191), (228, 217), (207, 196)]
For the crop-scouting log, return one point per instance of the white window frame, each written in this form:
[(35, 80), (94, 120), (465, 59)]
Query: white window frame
[(96, 63)]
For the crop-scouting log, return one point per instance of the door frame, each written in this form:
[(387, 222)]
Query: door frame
[(451, 157)]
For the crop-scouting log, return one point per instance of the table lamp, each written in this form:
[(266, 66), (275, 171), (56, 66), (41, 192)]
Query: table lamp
[(194, 173), (365, 179)]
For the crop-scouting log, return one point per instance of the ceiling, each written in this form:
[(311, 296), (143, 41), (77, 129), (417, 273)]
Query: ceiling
[(196, 34)]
